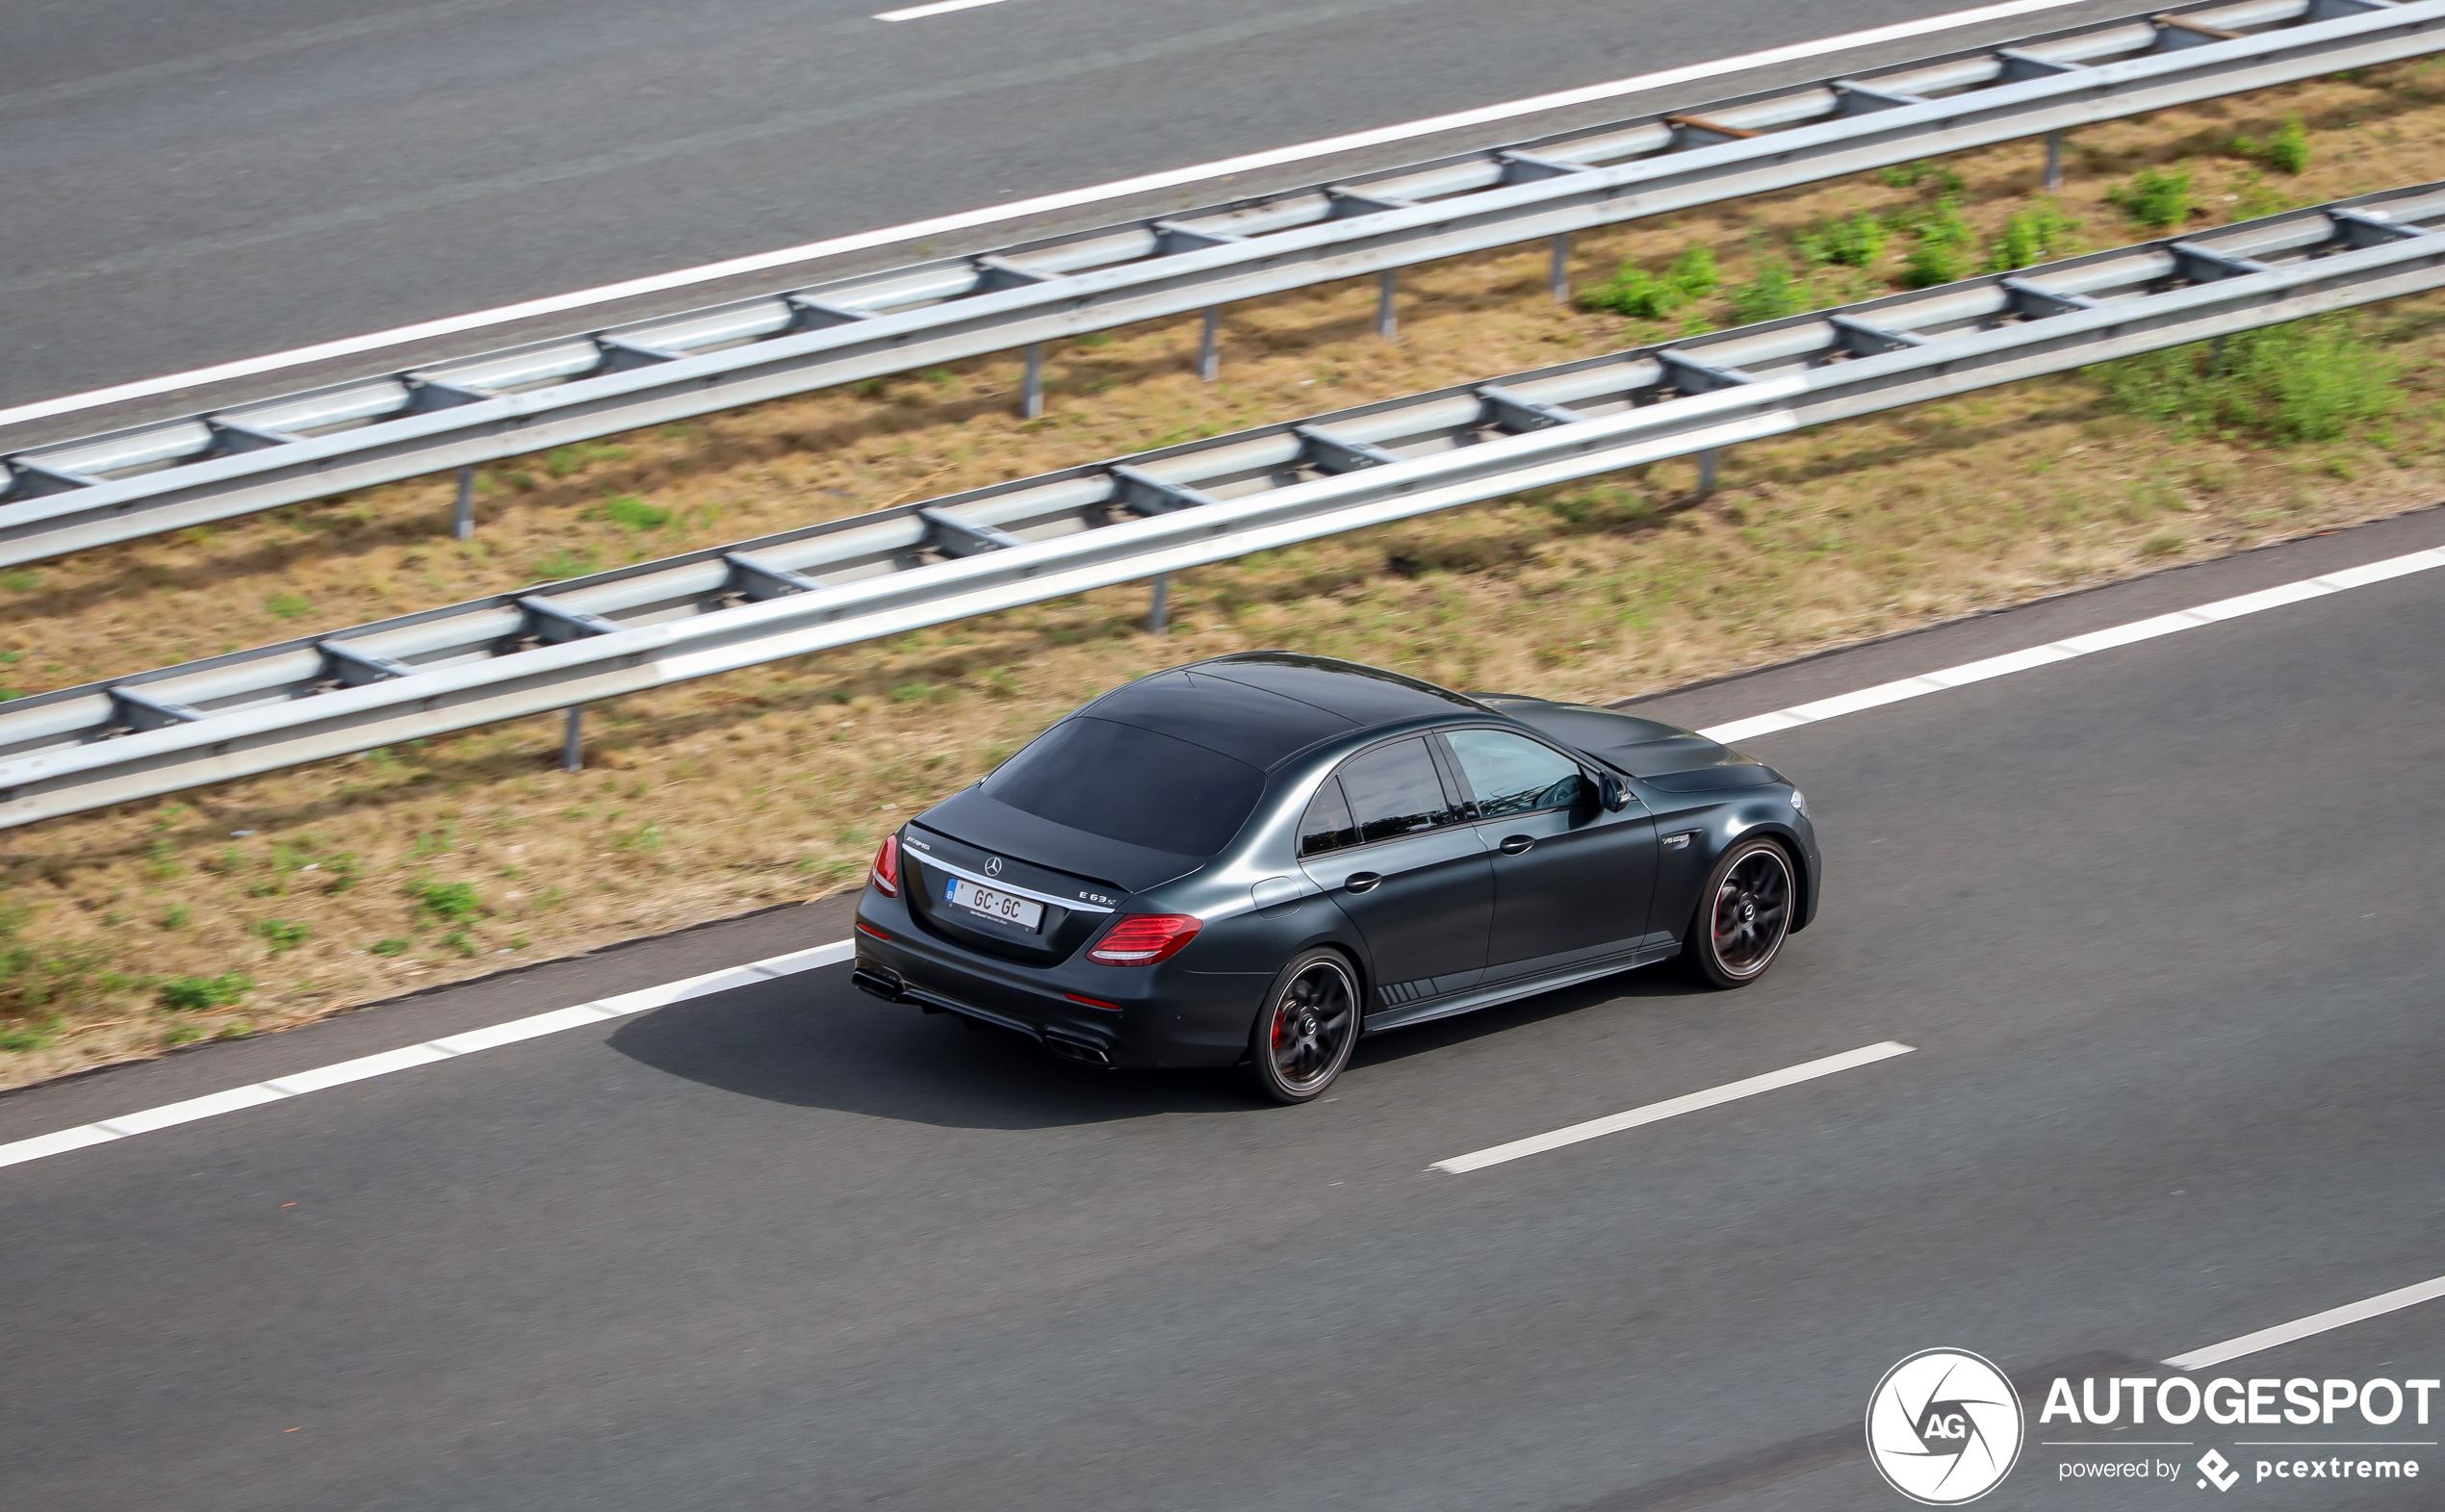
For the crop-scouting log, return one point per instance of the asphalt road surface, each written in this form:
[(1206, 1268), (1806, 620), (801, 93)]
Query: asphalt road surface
[(2160, 923), (198, 182)]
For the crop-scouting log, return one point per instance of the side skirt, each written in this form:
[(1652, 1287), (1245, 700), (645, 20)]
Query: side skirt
[(1513, 991)]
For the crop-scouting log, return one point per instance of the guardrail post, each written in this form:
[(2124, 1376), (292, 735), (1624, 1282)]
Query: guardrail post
[(1707, 470), (1210, 347), (1387, 319), (573, 740), (2054, 160), (1159, 612), (1560, 277), (1031, 389), (462, 514)]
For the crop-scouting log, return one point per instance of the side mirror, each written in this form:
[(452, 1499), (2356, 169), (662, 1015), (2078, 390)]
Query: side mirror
[(1612, 792)]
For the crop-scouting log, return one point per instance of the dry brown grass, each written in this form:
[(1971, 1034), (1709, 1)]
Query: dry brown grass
[(704, 799)]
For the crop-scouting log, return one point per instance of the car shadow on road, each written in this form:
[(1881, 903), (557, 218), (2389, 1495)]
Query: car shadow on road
[(825, 1044), (821, 1043)]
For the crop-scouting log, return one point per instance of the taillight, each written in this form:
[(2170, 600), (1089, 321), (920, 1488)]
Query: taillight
[(1141, 940), (886, 867)]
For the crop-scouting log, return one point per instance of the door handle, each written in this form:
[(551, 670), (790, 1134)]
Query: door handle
[(1363, 881), (1516, 844)]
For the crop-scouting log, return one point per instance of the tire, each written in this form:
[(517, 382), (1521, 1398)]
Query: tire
[(1306, 1025), (1743, 917)]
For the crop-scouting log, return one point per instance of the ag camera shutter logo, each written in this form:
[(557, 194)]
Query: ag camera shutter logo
[(1944, 1427)]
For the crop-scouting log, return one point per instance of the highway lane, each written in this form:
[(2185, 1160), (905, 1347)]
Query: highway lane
[(218, 180), (2159, 922)]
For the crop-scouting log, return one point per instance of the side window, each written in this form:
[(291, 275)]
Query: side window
[(1394, 790), (1513, 774), (1328, 825)]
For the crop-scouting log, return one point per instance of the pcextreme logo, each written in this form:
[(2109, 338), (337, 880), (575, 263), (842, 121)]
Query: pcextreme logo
[(1944, 1427)]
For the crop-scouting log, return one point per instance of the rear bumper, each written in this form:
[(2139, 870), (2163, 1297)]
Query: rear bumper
[(1162, 1015)]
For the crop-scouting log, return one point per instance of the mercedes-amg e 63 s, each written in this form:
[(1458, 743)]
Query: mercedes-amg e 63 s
[(1252, 860)]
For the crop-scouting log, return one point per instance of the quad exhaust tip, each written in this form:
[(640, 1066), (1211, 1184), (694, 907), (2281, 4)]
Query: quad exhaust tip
[(1082, 1051), (884, 984)]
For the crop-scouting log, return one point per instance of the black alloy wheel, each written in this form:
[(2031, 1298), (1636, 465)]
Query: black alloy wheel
[(1305, 1032), (1743, 915)]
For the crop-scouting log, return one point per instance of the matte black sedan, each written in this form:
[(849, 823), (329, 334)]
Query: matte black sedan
[(1252, 860)]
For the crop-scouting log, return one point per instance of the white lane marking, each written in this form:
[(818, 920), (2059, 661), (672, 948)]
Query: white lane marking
[(65, 1139), (1670, 1108), (939, 8), (298, 1083), (2190, 619), (2315, 1323), (1042, 204)]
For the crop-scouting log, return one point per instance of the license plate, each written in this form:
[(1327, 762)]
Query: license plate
[(995, 903)]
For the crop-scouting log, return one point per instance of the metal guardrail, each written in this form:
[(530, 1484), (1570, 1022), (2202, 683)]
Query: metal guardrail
[(72, 496), (561, 645)]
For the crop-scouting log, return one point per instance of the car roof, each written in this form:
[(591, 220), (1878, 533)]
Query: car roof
[(1264, 706)]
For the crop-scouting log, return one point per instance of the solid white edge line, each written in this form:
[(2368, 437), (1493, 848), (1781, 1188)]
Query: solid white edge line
[(2190, 619), (2332, 1318), (939, 7), (406, 1058), (1042, 204), (1670, 1108), (625, 1003)]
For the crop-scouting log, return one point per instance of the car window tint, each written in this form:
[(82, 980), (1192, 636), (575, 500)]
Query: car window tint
[(1130, 785), (1394, 790), (1328, 825), (1512, 774)]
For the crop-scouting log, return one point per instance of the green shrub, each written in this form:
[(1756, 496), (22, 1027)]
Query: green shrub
[(1642, 295), (201, 994), (1772, 294), (644, 837), (32, 1037), (33, 976), (2154, 198), (288, 605), (1921, 174), (2316, 379), (462, 942), (282, 934), (394, 946), (1856, 243), (563, 563), (2287, 151), (451, 902), (631, 513), (2031, 235), (1939, 250)]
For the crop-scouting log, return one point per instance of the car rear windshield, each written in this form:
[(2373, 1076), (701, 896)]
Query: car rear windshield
[(1132, 785)]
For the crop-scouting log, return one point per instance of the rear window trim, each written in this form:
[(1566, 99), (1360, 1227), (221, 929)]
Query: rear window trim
[(1435, 755)]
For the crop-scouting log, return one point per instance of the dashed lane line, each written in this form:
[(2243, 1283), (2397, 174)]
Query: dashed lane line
[(2332, 1318), (1671, 1108)]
